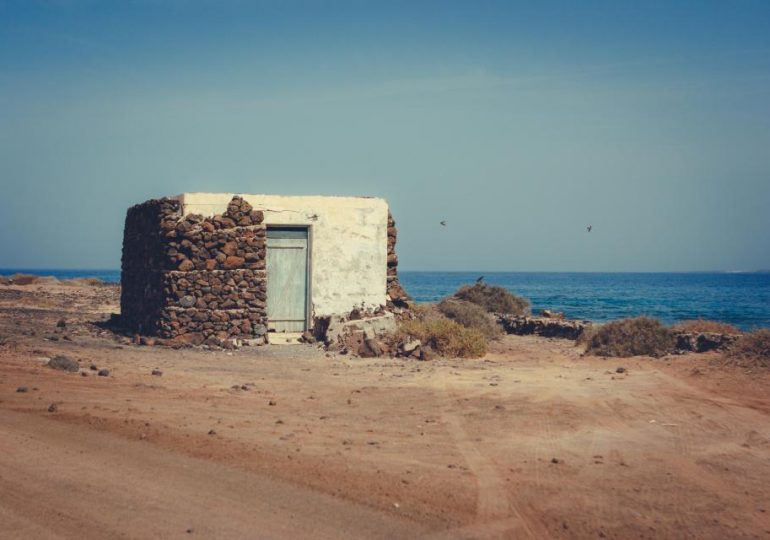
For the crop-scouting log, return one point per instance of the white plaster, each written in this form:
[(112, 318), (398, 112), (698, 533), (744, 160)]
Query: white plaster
[(348, 242)]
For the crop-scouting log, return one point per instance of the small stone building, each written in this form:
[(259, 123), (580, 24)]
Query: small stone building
[(237, 266)]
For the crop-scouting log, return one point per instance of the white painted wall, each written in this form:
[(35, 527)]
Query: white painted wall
[(348, 242)]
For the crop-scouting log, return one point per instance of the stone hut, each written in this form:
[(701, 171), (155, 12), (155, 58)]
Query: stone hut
[(203, 265)]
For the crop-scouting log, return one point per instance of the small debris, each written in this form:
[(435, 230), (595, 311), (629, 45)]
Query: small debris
[(279, 421), (157, 372), (103, 372), (271, 403), (53, 407), (620, 370), (61, 323), (555, 460), (93, 367), (22, 389), (212, 432), (84, 374)]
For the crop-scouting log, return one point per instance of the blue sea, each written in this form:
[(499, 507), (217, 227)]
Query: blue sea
[(742, 299)]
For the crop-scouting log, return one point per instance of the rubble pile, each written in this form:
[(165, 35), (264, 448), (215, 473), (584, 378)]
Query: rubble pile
[(193, 275)]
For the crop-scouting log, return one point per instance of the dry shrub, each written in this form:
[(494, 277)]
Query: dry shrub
[(494, 299), (470, 316), (587, 335), (632, 337), (444, 336), (751, 350), (702, 325)]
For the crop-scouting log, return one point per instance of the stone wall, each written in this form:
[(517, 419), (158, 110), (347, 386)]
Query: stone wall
[(397, 296), (194, 276)]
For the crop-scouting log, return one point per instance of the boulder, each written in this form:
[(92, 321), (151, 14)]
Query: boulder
[(63, 363)]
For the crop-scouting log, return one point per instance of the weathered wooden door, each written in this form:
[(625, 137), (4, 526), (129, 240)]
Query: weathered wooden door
[(287, 283)]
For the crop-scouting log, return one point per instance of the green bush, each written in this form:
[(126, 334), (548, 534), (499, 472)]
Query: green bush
[(751, 350), (494, 299), (444, 336), (632, 337), (470, 316)]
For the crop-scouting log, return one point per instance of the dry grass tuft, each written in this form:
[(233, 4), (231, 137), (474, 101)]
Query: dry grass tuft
[(444, 336), (751, 350), (470, 316), (494, 299), (702, 325), (632, 337)]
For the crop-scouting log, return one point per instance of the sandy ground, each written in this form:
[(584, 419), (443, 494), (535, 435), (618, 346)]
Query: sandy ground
[(533, 441)]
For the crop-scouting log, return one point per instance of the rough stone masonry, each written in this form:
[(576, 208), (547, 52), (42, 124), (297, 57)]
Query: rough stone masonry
[(194, 276)]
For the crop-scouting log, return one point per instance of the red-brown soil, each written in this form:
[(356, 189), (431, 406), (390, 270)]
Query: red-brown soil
[(532, 441)]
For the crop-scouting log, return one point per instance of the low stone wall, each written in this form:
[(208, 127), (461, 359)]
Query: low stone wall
[(542, 326), (704, 341), (194, 275), (397, 296)]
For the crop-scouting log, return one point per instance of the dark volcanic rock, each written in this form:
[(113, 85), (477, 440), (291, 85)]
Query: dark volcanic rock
[(542, 326), (704, 341), (103, 372)]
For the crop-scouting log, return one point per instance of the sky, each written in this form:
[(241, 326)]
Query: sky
[(518, 123)]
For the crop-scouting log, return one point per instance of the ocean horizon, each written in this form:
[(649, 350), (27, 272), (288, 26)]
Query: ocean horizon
[(738, 298)]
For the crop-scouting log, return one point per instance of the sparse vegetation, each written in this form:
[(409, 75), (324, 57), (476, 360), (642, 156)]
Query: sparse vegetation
[(494, 299), (470, 316), (702, 325), (632, 337), (751, 350), (444, 336)]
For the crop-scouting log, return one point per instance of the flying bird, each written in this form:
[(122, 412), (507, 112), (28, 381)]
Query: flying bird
[(479, 280), (443, 223), (589, 228)]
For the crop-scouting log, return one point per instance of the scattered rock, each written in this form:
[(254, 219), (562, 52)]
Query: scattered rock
[(620, 370), (271, 403), (411, 346), (212, 432), (103, 372), (371, 348), (157, 372), (61, 323), (64, 363), (22, 389), (84, 374), (53, 407), (93, 367), (555, 460)]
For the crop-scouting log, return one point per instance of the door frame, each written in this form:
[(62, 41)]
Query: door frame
[(308, 267)]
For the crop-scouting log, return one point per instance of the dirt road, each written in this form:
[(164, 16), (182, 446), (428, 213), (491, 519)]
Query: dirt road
[(533, 441)]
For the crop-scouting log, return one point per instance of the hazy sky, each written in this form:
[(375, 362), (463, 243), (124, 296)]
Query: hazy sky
[(518, 123)]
